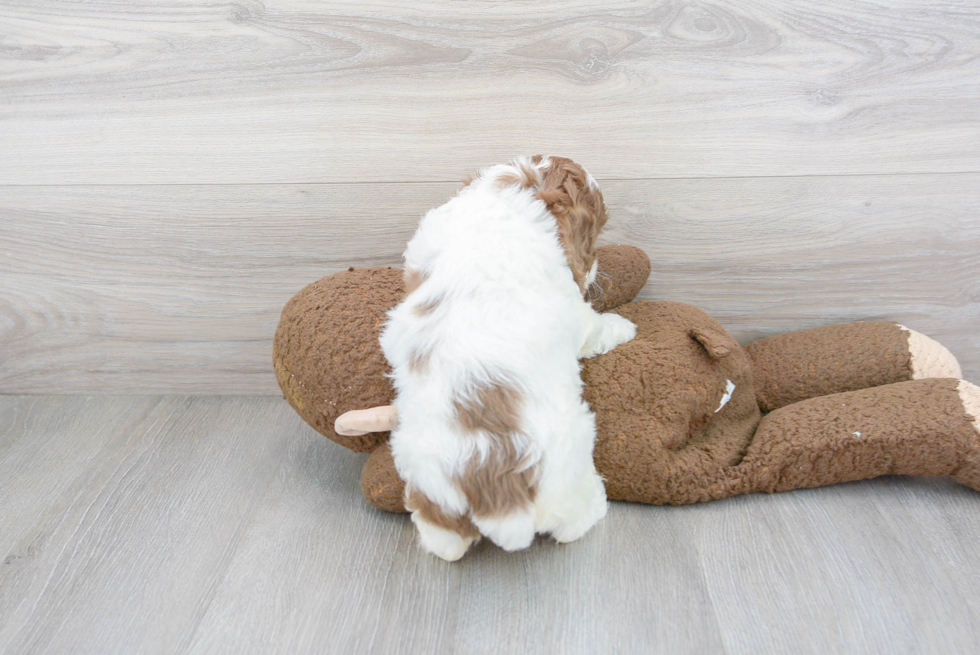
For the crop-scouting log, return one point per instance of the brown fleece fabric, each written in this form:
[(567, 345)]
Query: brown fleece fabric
[(794, 366), (655, 400), (917, 427), (664, 433), (326, 352), (380, 483), (622, 272)]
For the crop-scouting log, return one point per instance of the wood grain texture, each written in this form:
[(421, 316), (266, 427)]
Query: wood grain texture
[(768, 256), (861, 543), (125, 557), (225, 525), (290, 91), (176, 288), (145, 289), (383, 595)]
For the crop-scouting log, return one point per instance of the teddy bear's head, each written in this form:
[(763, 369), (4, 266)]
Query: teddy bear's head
[(671, 404), (326, 353)]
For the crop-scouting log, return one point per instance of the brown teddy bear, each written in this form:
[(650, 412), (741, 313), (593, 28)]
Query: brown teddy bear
[(684, 414)]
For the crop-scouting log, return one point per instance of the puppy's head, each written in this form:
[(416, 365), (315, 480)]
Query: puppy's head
[(571, 196), (574, 199)]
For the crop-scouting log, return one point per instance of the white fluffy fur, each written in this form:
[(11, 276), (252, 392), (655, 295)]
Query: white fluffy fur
[(507, 309)]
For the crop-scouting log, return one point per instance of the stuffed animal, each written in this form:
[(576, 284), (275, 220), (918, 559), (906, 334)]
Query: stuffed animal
[(684, 413)]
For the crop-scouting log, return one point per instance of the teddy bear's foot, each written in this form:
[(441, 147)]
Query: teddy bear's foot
[(969, 472), (970, 395), (929, 358)]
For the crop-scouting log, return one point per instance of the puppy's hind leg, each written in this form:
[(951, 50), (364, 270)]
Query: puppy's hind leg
[(514, 531), (571, 514), (571, 496), (446, 544), (500, 493), (441, 533)]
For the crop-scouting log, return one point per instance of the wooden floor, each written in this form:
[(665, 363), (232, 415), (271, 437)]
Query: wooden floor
[(225, 525), (171, 172)]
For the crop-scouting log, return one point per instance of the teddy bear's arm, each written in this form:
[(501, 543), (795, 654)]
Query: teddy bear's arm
[(795, 366), (623, 270)]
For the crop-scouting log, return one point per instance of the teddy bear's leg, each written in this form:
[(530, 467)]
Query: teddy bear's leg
[(969, 472), (795, 366), (380, 483), (918, 427)]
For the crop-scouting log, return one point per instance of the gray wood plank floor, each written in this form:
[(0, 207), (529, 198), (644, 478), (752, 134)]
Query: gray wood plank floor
[(226, 525)]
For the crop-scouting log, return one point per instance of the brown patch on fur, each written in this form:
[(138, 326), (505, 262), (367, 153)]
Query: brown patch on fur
[(526, 176), (413, 280), (418, 361), (498, 486), (416, 501), (579, 211), (426, 307), (494, 410), (503, 481)]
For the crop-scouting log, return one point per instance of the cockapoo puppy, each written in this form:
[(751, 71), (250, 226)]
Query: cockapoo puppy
[(493, 436)]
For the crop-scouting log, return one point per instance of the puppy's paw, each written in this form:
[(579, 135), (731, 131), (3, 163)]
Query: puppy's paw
[(582, 520), (619, 330), (442, 543), (512, 532), (614, 330)]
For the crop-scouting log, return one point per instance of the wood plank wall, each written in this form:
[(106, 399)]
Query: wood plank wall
[(172, 172)]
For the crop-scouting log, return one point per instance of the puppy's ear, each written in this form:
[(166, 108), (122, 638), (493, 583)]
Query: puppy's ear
[(575, 201)]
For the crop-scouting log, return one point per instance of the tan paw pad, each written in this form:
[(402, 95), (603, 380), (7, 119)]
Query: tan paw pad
[(930, 359), (970, 395)]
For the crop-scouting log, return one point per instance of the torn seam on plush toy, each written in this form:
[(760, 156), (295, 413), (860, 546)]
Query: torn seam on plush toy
[(729, 389)]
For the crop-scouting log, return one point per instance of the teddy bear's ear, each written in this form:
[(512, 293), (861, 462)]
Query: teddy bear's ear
[(719, 344)]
